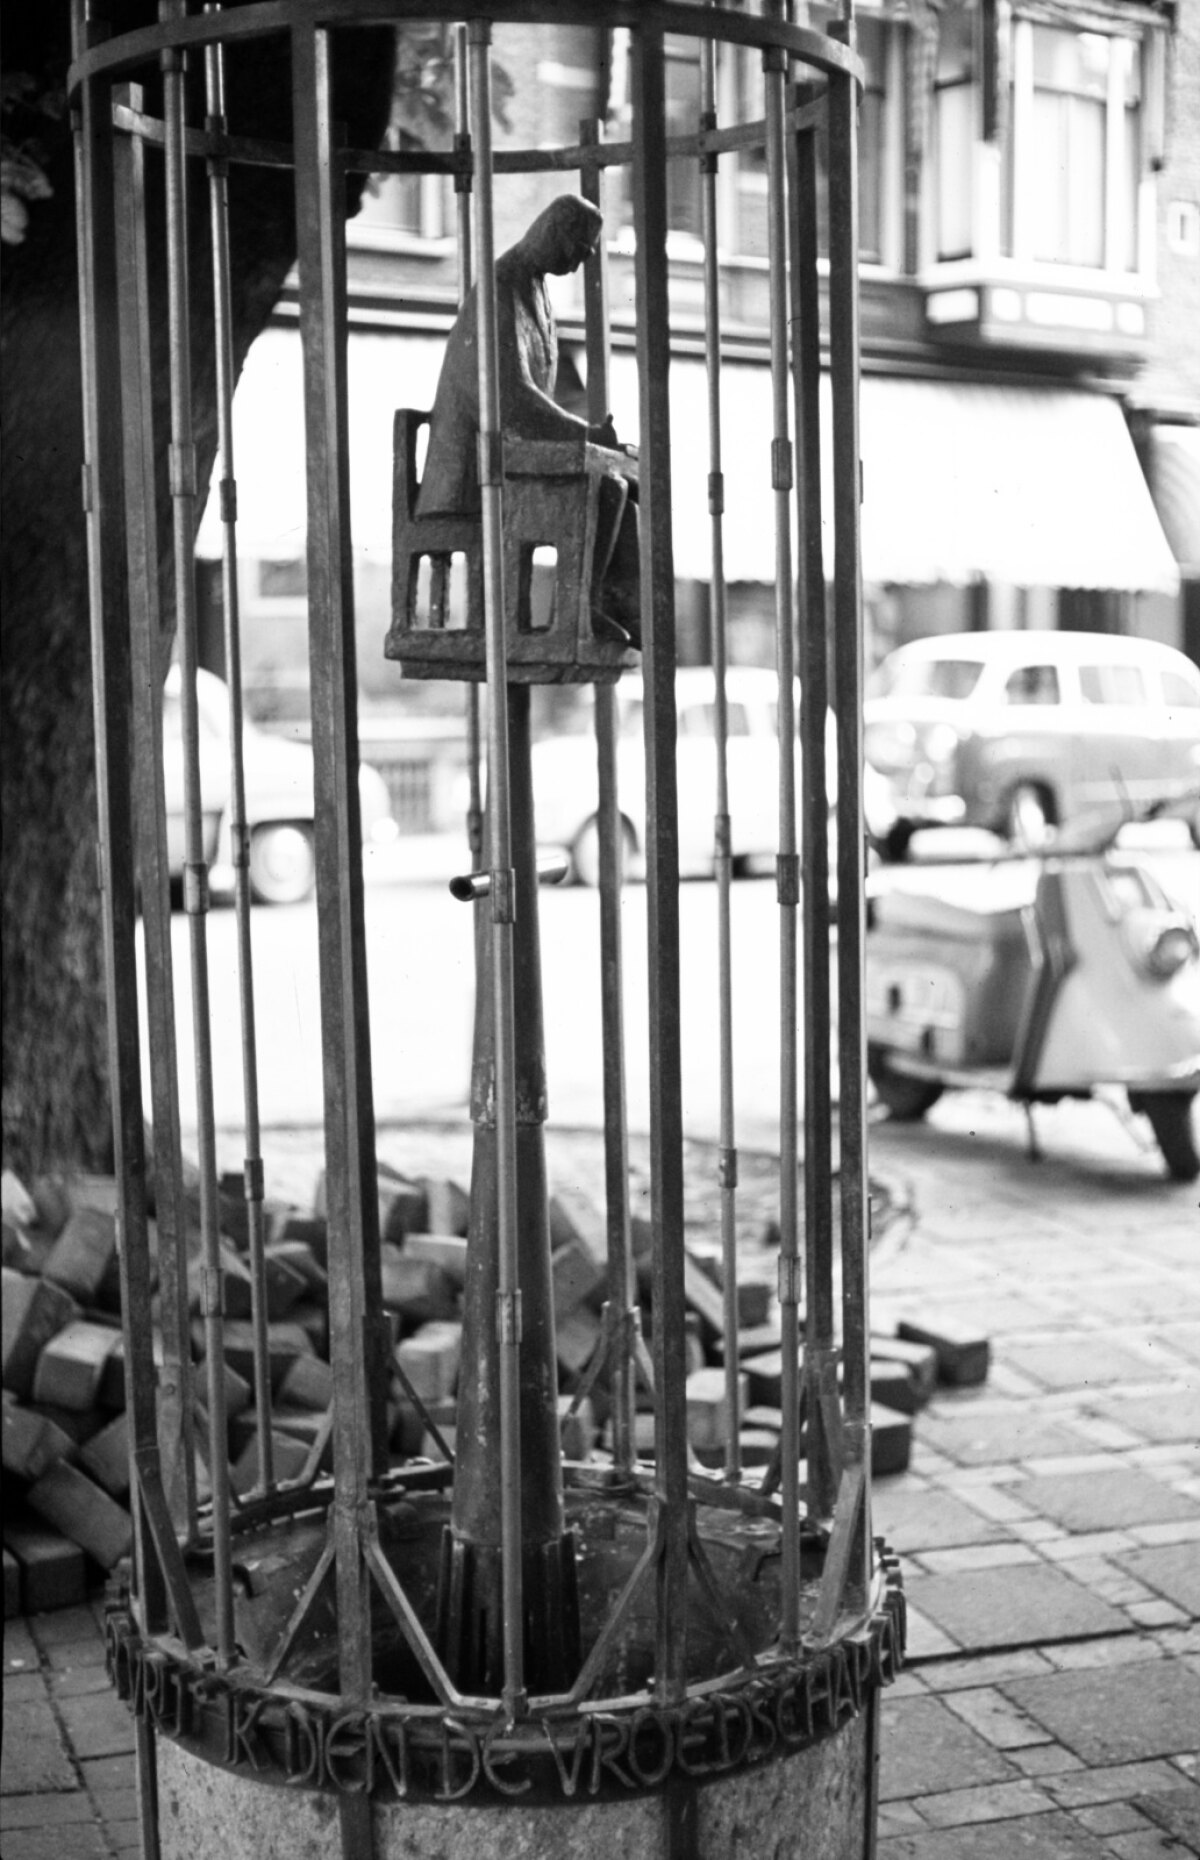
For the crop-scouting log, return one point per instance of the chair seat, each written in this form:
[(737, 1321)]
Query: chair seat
[(551, 501)]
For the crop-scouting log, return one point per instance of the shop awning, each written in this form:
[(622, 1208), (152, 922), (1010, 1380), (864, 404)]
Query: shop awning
[(1176, 480), (961, 482), (383, 372)]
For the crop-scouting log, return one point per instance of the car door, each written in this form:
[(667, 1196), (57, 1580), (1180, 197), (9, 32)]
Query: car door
[(1033, 744), (1118, 735)]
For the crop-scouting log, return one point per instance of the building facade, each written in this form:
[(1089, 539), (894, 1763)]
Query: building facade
[(1030, 278)]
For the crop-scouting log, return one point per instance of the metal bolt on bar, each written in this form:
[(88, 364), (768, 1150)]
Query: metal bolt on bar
[(552, 868)]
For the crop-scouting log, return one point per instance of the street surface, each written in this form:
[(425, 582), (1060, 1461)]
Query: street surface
[(421, 978)]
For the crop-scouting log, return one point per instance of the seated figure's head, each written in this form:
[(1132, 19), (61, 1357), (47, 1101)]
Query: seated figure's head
[(562, 236)]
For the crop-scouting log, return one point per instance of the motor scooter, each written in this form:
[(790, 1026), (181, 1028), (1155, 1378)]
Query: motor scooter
[(1044, 976)]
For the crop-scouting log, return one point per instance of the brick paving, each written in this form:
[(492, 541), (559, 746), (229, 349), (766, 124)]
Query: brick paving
[(1049, 1522)]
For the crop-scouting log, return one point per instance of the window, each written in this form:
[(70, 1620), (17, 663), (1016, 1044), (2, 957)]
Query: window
[(954, 107), (1179, 691), (1074, 159), (942, 678), (408, 204), (874, 45), (1032, 684), (1112, 684)]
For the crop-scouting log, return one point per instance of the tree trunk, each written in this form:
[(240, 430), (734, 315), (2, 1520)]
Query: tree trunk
[(55, 1099)]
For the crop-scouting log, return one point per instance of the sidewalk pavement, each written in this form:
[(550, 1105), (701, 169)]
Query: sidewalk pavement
[(1049, 1527)]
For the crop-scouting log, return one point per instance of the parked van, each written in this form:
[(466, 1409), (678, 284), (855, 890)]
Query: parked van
[(1020, 731)]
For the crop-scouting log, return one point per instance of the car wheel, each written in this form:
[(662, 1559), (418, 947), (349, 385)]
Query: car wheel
[(1171, 1120), (283, 865), (907, 1099), (1029, 817), (585, 853)]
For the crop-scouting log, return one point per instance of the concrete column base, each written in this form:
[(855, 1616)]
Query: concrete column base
[(814, 1805)]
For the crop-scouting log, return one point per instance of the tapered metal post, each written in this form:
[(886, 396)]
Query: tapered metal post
[(507, 1316), (252, 1172), (662, 856), (848, 646), (622, 1309), (820, 1360), (788, 865), (195, 868), (176, 1391), (727, 1159)]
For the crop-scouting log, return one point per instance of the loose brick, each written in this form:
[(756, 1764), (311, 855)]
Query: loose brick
[(286, 1285), (82, 1253), (34, 1311), (449, 1251), (576, 1278), (289, 1458), (920, 1359), (419, 1289), (430, 1358), (310, 1230), (16, 1251), (69, 1500), (71, 1365), (703, 1296), (891, 1441), (963, 1356), (403, 1206), (575, 1340), (307, 1383), (106, 1457), (285, 1342), (448, 1207), (12, 1586), (708, 1418), (893, 1387), (32, 1442), (51, 1568), (577, 1431)]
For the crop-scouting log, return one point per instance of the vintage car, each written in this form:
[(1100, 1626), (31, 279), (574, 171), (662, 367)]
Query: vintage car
[(1019, 732), (279, 798), (565, 782)]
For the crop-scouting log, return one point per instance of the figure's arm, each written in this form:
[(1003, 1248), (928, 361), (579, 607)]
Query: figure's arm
[(527, 411)]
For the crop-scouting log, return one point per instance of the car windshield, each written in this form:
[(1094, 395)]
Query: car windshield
[(905, 676)]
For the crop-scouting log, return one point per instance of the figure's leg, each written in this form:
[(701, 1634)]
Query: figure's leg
[(616, 598)]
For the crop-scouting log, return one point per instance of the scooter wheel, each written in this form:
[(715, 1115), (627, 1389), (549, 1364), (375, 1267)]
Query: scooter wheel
[(906, 1098), (1171, 1120)]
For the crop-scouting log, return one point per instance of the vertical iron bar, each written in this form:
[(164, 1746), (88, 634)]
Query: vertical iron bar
[(819, 1358), (499, 827), (622, 1311), (176, 1394), (218, 195), (195, 870), (462, 196), (788, 876), (662, 848), (359, 1427), (727, 1165), (848, 649), (100, 371)]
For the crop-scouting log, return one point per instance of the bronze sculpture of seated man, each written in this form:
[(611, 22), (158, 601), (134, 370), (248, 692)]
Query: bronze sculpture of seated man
[(557, 242)]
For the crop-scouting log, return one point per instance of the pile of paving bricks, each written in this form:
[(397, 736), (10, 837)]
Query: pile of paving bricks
[(65, 1431)]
